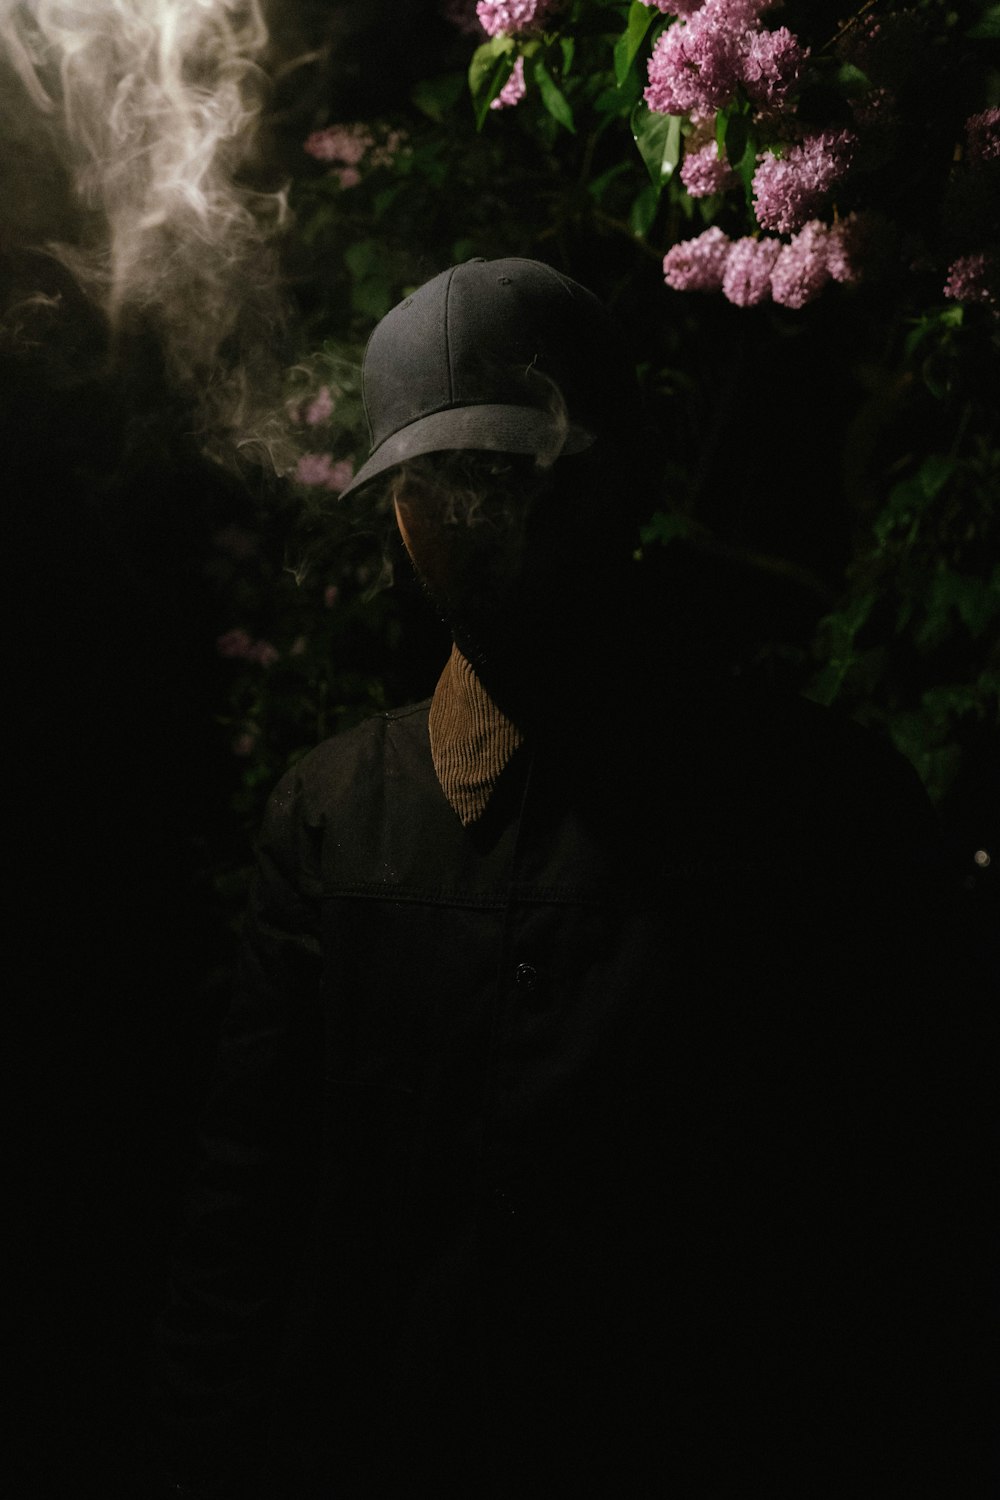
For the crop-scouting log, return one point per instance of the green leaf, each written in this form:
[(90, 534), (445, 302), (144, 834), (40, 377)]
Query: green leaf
[(384, 200), (640, 18), (597, 186), (436, 97), (974, 600), (371, 291), (620, 101), (736, 137), (491, 66), (664, 527), (658, 138), (364, 258), (553, 98), (567, 45), (938, 322), (987, 28), (934, 473), (484, 60), (643, 210), (826, 685), (851, 79)]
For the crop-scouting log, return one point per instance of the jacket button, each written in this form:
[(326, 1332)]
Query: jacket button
[(504, 1207), (526, 976)]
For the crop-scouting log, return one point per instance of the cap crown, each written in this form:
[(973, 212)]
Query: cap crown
[(476, 341)]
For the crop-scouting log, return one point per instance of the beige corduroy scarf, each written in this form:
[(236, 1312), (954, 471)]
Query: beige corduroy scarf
[(472, 740)]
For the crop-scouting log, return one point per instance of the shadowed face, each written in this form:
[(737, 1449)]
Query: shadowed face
[(474, 568), (524, 565)]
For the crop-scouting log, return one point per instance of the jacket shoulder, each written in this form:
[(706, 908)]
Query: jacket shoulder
[(332, 770)]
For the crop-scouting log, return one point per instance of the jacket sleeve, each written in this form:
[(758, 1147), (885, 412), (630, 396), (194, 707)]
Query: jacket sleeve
[(215, 1344)]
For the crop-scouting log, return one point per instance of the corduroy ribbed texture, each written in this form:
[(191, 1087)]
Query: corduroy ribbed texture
[(472, 740)]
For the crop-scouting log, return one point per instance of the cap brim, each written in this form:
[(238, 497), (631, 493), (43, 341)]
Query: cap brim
[(499, 429)]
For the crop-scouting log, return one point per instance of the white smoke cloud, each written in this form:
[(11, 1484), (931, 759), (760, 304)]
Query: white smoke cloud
[(150, 111)]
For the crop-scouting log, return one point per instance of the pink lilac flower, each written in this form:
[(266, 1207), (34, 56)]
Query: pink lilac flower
[(975, 278), (737, 12), (789, 189), (238, 644), (320, 469), (330, 595), (747, 277), (385, 152), (349, 176), (314, 468), (858, 246), (320, 407), (800, 271), (742, 12), (513, 90), (264, 653), (702, 171), (244, 743), (697, 65), (772, 65), (697, 265), (873, 109), (514, 17), (983, 135), (347, 144), (340, 476)]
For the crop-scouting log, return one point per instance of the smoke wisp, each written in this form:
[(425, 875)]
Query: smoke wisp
[(151, 112)]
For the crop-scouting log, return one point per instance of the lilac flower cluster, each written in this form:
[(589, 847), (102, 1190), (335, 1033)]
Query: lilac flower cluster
[(319, 469), (982, 132), (788, 190), (717, 52), (746, 279), (513, 90), (801, 270), (751, 270), (239, 645), (320, 408), (699, 63), (859, 246), (514, 17), (697, 265), (975, 278), (344, 145), (703, 171), (972, 210), (348, 146)]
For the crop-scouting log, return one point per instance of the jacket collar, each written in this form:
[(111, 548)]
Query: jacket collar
[(472, 740)]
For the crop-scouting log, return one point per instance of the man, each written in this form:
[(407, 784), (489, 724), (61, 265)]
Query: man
[(580, 1127)]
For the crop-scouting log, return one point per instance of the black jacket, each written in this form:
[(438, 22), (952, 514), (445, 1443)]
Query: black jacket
[(616, 1143)]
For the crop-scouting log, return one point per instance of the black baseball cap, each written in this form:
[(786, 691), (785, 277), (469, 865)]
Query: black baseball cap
[(469, 360)]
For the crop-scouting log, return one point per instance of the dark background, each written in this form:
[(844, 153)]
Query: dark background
[(119, 783)]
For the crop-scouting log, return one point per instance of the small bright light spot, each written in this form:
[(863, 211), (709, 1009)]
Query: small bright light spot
[(982, 858)]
